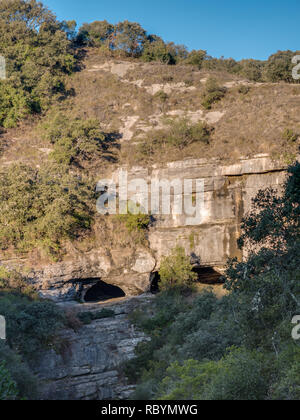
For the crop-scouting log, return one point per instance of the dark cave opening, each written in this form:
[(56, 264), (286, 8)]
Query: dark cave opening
[(154, 283), (207, 275), (102, 291)]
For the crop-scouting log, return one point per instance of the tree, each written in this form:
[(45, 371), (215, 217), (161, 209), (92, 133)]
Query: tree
[(240, 376), (266, 286), (213, 93), (96, 33), (69, 27), (279, 67), (19, 372), (43, 208), (155, 49), (38, 56), (74, 138), (252, 69), (237, 376), (8, 389), (130, 38), (176, 271), (196, 58), (178, 52), (187, 381)]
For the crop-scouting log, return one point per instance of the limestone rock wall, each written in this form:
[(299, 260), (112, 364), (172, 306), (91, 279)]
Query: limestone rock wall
[(228, 190)]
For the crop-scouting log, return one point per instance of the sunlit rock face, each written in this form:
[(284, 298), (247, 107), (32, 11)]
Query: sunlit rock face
[(228, 191)]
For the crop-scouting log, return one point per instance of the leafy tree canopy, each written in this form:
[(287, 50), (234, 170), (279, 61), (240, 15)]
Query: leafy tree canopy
[(38, 55)]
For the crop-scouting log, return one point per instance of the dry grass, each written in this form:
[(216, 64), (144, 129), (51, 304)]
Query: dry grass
[(120, 94)]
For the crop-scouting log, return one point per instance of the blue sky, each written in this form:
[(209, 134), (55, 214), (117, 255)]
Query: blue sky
[(232, 28)]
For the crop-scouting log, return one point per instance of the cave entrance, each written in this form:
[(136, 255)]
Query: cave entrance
[(102, 291), (207, 275), (154, 283)]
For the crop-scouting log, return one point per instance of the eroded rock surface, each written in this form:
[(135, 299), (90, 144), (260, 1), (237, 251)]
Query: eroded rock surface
[(228, 190), (89, 366)]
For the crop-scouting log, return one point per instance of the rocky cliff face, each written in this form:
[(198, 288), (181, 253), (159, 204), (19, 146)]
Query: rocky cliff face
[(89, 367), (228, 190)]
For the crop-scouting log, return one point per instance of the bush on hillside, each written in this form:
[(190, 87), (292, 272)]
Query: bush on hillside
[(279, 67), (32, 325), (177, 134), (20, 373), (43, 208), (213, 93), (176, 271), (74, 138)]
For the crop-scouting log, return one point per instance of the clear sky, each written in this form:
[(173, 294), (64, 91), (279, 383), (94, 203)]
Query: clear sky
[(232, 28)]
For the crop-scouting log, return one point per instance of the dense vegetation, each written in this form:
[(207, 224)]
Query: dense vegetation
[(74, 139), (32, 325), (38, 56), (238, 347), (42, 208), (131, 40)]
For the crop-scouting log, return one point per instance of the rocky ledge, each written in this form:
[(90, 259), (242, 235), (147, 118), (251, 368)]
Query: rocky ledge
[(228, 190)]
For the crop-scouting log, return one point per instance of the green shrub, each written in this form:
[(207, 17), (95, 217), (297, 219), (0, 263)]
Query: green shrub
[(176, 271), (155, 49), (23, 377), (196, 58), (239, 377), (95, 34), (14, 105), (287, 386), (178, 134), (31, 325), (213, 93), (252, 69), (188, 381), (135, 220), (279, 67), (161, 95), (244, 90), (87, 317), (289, 135), (42, 208), (8, 389), (73, 138)]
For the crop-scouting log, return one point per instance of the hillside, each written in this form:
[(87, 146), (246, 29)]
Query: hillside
[(134, 100), (193, 299)]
